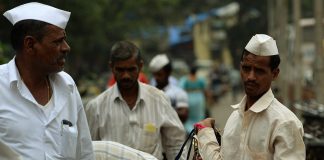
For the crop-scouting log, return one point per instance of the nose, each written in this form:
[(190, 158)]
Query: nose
[(126, 75), (65, 47), (251, 75)]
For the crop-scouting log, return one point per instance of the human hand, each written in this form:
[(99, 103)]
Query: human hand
[(208, 122)]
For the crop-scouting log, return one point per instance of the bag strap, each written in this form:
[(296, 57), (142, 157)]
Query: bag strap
[(184, 144)]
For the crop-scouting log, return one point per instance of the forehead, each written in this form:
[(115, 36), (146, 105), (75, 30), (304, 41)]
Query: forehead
[(54, 31), (260, 61), (128, 63), (159, 72)]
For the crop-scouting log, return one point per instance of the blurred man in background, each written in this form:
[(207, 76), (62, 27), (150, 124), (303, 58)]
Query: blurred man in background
[(161, 68)]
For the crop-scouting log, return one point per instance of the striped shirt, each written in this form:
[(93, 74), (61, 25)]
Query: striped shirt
[(151, 126), (108, 150)]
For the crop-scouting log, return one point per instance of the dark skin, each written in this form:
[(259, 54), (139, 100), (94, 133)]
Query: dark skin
[(39, 58), (162, 79), (257, 77), (126, 74)]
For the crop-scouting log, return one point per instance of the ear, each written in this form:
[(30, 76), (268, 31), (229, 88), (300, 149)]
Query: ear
[(275, 73), (140, 65), (29, 43)]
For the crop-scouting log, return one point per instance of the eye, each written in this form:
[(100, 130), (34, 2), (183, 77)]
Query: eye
[(59, 41), (259, 71), (246, 68), (132, 69)]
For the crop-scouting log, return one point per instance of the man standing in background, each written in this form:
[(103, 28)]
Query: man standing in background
[(161, 68), (133, 113)]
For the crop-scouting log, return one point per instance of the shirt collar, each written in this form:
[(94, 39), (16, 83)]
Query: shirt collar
[(260, 105), (116, 94), (14, 75)]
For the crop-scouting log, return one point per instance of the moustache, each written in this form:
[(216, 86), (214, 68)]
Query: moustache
[(250, 83)]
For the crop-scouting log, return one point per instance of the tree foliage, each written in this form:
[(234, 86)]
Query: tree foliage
[(95, 25)]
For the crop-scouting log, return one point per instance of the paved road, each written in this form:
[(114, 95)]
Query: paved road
[(221, 110)]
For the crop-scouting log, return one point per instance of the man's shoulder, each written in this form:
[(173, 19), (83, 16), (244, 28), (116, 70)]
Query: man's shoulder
[(176, 91), (149, 90), (102, 96), (281, 112)]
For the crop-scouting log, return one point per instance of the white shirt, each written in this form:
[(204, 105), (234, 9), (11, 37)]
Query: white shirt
[(6, 153), (109, 150), (268, 130), (25, 128), (151, 126), (178, 97)]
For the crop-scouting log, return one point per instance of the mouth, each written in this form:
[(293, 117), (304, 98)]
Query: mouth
[(249, 85), (61, 60)]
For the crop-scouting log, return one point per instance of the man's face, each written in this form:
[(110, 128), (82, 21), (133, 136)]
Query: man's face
[(256, 74), (161, 77), (126, 72), (52, 50)]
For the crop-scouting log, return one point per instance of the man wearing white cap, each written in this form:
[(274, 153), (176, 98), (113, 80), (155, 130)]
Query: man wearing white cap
[(260, 127), (161, 68), (41, 111)]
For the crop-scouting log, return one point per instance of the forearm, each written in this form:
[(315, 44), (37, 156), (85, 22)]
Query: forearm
[(208, 146)]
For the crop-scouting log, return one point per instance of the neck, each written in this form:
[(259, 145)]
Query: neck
[(37, 82), (161, 85), (130, 95), (250, 101), (31, 75)]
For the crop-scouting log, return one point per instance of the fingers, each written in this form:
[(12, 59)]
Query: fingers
[(208, 122)]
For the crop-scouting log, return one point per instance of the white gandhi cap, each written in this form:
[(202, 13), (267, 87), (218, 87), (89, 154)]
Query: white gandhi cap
[(158, 62), (38, 11), (262, 45)]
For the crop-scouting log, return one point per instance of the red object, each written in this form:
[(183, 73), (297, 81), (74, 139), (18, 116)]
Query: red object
[(141, 77), (199, 126)]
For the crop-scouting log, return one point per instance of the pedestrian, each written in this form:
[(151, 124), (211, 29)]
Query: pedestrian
[(195, 86), (133, 113), (161, 68), (260, 127), (41, 111)]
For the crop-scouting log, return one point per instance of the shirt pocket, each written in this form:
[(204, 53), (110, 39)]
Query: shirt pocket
[(149, 138), (69, 138)]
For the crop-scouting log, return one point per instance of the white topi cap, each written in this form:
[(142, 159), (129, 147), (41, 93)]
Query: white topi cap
[(158, 62), (38, 11), (262, 45)]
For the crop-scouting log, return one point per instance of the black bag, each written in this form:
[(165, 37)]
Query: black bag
[(194, 143)]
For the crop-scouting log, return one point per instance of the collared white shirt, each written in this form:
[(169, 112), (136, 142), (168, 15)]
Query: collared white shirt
[(178, 97), (26, 129), (151, 126), (266, 131), (109, 150)]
